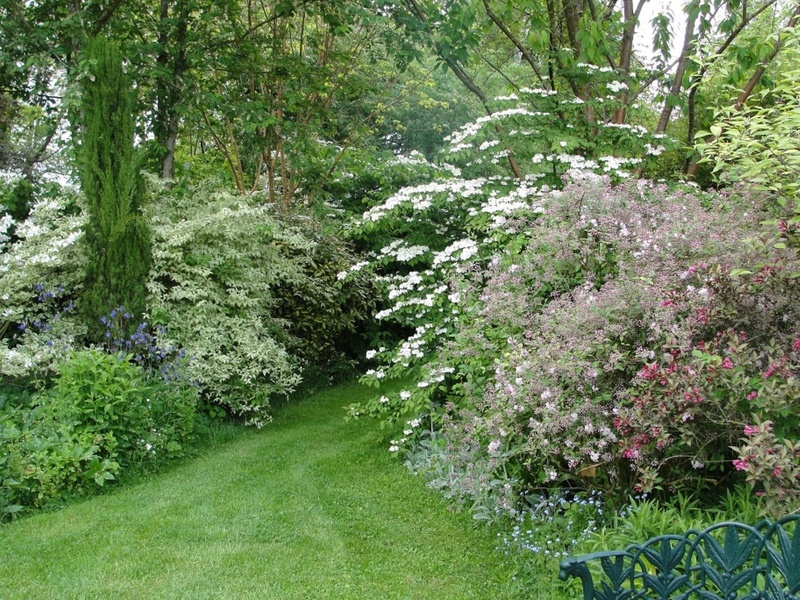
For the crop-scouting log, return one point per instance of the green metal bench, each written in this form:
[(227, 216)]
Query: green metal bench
[(727, 561)]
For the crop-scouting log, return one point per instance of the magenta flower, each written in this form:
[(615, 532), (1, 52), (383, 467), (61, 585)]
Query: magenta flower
[(751, 430), (727, 364), (740, 464)]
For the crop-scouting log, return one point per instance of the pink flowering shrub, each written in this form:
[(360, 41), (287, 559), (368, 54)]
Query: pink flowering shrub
[(620, 348), (724, 395), (606, 336), (771, 463)]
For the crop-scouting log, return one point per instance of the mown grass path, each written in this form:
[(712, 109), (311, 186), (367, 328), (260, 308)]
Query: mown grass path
[(308, 507)]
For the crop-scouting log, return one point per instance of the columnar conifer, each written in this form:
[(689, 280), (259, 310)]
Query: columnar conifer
[(117, 235)]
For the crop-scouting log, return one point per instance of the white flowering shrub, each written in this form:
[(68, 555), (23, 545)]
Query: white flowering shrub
[(39, 273), (225, 270)]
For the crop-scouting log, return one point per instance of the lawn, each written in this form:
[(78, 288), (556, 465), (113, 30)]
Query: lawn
[(308, 507)]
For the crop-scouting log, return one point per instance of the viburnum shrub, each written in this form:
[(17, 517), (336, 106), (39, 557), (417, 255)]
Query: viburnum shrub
[(548, 133)]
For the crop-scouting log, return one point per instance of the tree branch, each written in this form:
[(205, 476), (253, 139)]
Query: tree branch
[(514, 40)]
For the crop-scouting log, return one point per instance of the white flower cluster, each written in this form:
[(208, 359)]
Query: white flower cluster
[(616, 86), (373, 353), (420, 197), (538, 92), (6, 222), (471, 129), (414, 158), (635, 129), (407, 284), (435, 375), (575, 161), (615, 163), (411, 348), (594, 69), (459, 250), (401, 252), (342, 275), (514, 202)]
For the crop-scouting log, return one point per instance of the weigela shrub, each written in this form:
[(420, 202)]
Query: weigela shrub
[(725, 391), (550, 334)]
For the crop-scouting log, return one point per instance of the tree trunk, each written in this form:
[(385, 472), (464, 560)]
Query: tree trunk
[(677, 81)]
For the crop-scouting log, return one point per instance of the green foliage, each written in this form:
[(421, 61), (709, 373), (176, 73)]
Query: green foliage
[(758, 143), (326, 318), (103, 417), (43, 458), (138, 418), (116, 235), (642, 518)]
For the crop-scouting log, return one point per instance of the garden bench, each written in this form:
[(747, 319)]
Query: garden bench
[(726, 561)]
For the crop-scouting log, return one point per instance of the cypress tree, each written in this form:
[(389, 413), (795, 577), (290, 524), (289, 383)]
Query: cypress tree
[(118, 238)]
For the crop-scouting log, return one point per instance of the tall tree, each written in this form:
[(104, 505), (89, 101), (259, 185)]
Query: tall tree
[(546, 40), (117, 235)]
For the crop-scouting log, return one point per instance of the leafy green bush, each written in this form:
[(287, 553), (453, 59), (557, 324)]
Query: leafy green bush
[(44, 457), (138, 417), (103, 417), (327, 319), (758, 143)]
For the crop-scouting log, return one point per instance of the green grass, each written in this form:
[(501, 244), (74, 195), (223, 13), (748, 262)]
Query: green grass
[(308, 507)]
